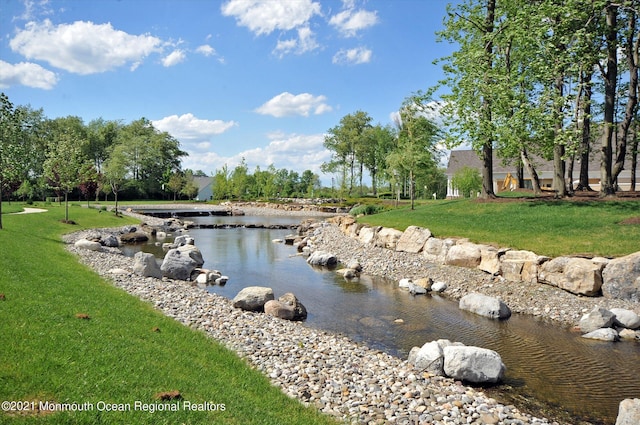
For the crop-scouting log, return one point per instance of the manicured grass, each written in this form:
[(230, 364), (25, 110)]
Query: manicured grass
[(48, 354), (547, 227)]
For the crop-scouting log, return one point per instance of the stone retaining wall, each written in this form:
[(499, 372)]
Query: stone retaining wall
[(614, 278)]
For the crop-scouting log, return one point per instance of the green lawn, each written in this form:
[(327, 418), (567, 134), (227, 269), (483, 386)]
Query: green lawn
[(48, 354), (547, 227)]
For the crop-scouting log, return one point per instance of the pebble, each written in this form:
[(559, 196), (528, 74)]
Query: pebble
[(339, 377)]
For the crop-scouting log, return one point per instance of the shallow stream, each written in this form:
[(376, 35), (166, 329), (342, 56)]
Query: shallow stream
[(547, 364)]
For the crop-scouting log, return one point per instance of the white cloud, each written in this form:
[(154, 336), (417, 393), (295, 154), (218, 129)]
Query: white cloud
[(206, 50), (188, 128), (174, 58), (354, 56), (83, 47), (26, 74), (287, 104), (350, 21), (262, 17), (298, 152), (305, 42)]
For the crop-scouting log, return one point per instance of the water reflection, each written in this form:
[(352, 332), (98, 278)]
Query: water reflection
[(587, 378)]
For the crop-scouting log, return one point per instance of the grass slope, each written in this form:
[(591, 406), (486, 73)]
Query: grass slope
[(548, 227), (48, 354)]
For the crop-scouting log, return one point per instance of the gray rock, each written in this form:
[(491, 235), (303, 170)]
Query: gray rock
[(110, 241), (484, 305), (438, 287), (629, 412), (183, 240), (621, 278), (626, 318), (278, 309), (134, 237), (473, 364), (253, 298), (193, 252), (322, 258), (428, 358), (464, 254), (178, 264), (145, 264), (299, 310), (596, 319), (603, 334)]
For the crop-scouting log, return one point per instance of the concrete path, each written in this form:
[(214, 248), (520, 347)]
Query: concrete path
[(31, 211)]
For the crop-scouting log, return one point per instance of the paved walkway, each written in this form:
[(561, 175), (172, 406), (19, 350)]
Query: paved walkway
[(31, 211)]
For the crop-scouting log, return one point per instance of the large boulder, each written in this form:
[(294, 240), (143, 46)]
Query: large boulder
[(603, 334), (413, 239), (322, 258), (299, 310), (464, 254), (484, 305), (521, 265), (134, 237), (178, 264), (253, 298), (435, 250), (387, 238), (89, 245), (278, 309), (110, 241), (596, 319), (367, 235), (490, 259), (621, 278), (430, 357), (626, 318), (193, 252), (577, 275), (629, 412), (145, 264), (473, 364)]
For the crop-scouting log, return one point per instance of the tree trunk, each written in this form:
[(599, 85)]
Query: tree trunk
[(66, 207), (0, 205), (487, 146), (634, 161), (611, 77), (585, 145), (632, 62), (535, 181)]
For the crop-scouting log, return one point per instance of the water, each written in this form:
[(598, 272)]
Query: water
[(582, 379)]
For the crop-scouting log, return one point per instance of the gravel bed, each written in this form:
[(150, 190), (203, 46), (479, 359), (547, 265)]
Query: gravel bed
[(339, 377)]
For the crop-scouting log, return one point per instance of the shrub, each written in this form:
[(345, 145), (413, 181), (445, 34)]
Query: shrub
[(366, 210)]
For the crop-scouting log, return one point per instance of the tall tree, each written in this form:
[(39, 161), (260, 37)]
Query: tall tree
[(13, 149), (469, 74)]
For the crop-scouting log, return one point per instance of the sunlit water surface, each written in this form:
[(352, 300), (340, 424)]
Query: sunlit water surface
[(583, 379)]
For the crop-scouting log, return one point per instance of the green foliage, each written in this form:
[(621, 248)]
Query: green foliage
[(115, 356), (468, 181), (366, 210)]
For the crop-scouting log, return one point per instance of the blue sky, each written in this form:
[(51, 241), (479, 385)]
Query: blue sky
[(256, 79)]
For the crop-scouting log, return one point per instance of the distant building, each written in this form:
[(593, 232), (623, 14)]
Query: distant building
[(205, 188), (470, 158)]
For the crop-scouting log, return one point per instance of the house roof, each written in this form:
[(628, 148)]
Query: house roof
[(459, 159), (202, 182)]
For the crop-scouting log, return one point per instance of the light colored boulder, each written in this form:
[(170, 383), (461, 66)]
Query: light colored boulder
[(417, 289), (193, 252), (626, 318), (322, 258), (521, 265), (145, 264), (425, 282), (428, 358), (576, 275), (405, 283), (484, 305), (253, 298), (184, 240), (355, 265), (435, 250), (621, 278), (629, 412), (603, 334), (439, 287), (367, 235), (473, 364), (629, 334), (465, 254), (387, 238), (490, 259), (88, 245), (596, 319), (413, 239)]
